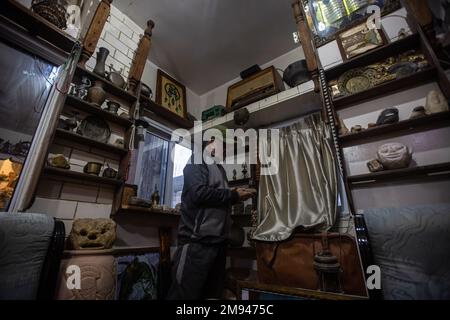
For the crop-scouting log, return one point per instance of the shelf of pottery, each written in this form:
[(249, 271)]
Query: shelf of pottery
[(392, 123)]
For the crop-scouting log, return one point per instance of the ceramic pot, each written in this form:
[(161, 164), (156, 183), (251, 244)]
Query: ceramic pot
[(109, 173), (113, 106), (96, 94), (115, 77), (146, 91), (102, 54)]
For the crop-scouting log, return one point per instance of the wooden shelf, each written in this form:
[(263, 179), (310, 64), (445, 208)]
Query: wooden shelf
[(81, 176), (116, 251), (36, 25), (92, 109), (108, 85), (389, 50), (152, 107), (435, 171), (64, 134), (386, 88), (432, 121), (239, 182)]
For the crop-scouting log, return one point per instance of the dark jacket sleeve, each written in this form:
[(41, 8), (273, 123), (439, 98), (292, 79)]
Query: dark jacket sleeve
[(196, 183)]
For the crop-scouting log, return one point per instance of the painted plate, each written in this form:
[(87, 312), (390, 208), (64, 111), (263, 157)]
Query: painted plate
[(354, 81)]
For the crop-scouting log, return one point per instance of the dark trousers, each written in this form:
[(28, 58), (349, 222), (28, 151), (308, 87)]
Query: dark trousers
[(198, 272)]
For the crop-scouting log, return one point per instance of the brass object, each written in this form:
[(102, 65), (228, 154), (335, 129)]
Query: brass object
[(93, 168), (58, 161), (109, 172)]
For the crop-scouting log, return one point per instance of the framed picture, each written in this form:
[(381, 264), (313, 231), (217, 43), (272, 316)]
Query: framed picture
[(171, 94), (358, 40)]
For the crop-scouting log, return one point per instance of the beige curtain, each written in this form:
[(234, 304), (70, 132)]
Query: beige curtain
[(304, 192)]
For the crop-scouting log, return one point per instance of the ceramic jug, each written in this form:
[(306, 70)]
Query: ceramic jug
[(96, 94), (102, 54)]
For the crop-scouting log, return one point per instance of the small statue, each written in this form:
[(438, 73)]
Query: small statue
[(343, 130), (234, 174), (155, 197), (394, 156), (244, 170), (375, 166), (436, 102), (418, 112), (356, 129), (388, 116)]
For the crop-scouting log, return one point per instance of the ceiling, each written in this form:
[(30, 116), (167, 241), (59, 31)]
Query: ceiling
[(205, 43)]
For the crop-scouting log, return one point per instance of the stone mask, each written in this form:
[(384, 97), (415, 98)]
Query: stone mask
[(388, 116), (394, 156), (92, 234)]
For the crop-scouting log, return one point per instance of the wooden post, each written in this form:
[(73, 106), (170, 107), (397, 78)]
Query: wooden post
[(306, 42), (140, 58), (95, 30)]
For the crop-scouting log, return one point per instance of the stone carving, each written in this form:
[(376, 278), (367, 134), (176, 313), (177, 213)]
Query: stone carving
[(418, 112), (388, 116), (92, 234), (436, 102), (98, 277), (394, 156), (356, 129)]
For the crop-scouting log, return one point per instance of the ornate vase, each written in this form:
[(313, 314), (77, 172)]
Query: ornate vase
[(96, 94), (102, 54)]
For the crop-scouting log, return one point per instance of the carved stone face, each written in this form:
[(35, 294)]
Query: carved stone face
[(92, 234), (394, 156)]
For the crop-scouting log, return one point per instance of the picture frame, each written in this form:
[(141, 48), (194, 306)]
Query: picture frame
[(358, 40), (171, 94)]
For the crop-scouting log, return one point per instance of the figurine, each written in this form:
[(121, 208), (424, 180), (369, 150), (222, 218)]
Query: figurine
[(92, 234), (418, 112), (155, 197), (388, 116), (356, 129), (244, 170), (343, 130), (375, 166), (234, 174), (394, 156), (436, 102)]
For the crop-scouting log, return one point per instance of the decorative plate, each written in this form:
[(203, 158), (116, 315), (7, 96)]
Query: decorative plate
[(95, 128), (354, 81)]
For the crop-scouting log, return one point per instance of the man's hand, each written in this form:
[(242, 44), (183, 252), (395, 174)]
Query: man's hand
[(245, 194)]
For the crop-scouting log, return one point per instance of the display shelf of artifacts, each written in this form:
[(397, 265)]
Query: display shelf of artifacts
[(151, 109), (69, 174), (289, 104), (441, 170), (109, 87), (90, 108), (387, 88), (69, 135), (409, 126), (36, 25)]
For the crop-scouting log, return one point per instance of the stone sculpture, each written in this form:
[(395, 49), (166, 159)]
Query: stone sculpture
[(92, 234), (436, 102), (394, 156)]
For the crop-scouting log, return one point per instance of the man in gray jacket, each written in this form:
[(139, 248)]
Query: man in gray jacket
[(199, 261)]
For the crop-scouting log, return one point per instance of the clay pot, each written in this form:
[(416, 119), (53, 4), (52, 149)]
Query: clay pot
[(102, 54), (96, 94)]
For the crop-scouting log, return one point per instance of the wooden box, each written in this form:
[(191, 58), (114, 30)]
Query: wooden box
[(261, 85)]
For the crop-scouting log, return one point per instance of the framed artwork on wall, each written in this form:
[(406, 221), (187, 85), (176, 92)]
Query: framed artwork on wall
[(171, 94), (358, 40)]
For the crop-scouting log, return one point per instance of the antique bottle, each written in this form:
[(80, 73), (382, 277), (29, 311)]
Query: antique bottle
[(96, 94), (102, 54)]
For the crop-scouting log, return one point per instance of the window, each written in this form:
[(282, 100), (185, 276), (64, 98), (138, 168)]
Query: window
[(156, 171)]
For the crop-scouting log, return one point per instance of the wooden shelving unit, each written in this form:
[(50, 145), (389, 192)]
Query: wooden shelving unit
[(430, 171), (36, 25), (432, 121), (62, 173), (92, 109), (64, 134), (108, 85), (386, 88), (149, 107)]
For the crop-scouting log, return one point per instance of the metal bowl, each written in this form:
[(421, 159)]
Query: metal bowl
[(93, 168)]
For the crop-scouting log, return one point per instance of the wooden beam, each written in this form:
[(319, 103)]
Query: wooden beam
[(306, 42), (95, 30), (140, 57)]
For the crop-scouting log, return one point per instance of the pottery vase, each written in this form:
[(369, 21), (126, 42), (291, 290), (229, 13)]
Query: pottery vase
[(96, 94), (102, 54)]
